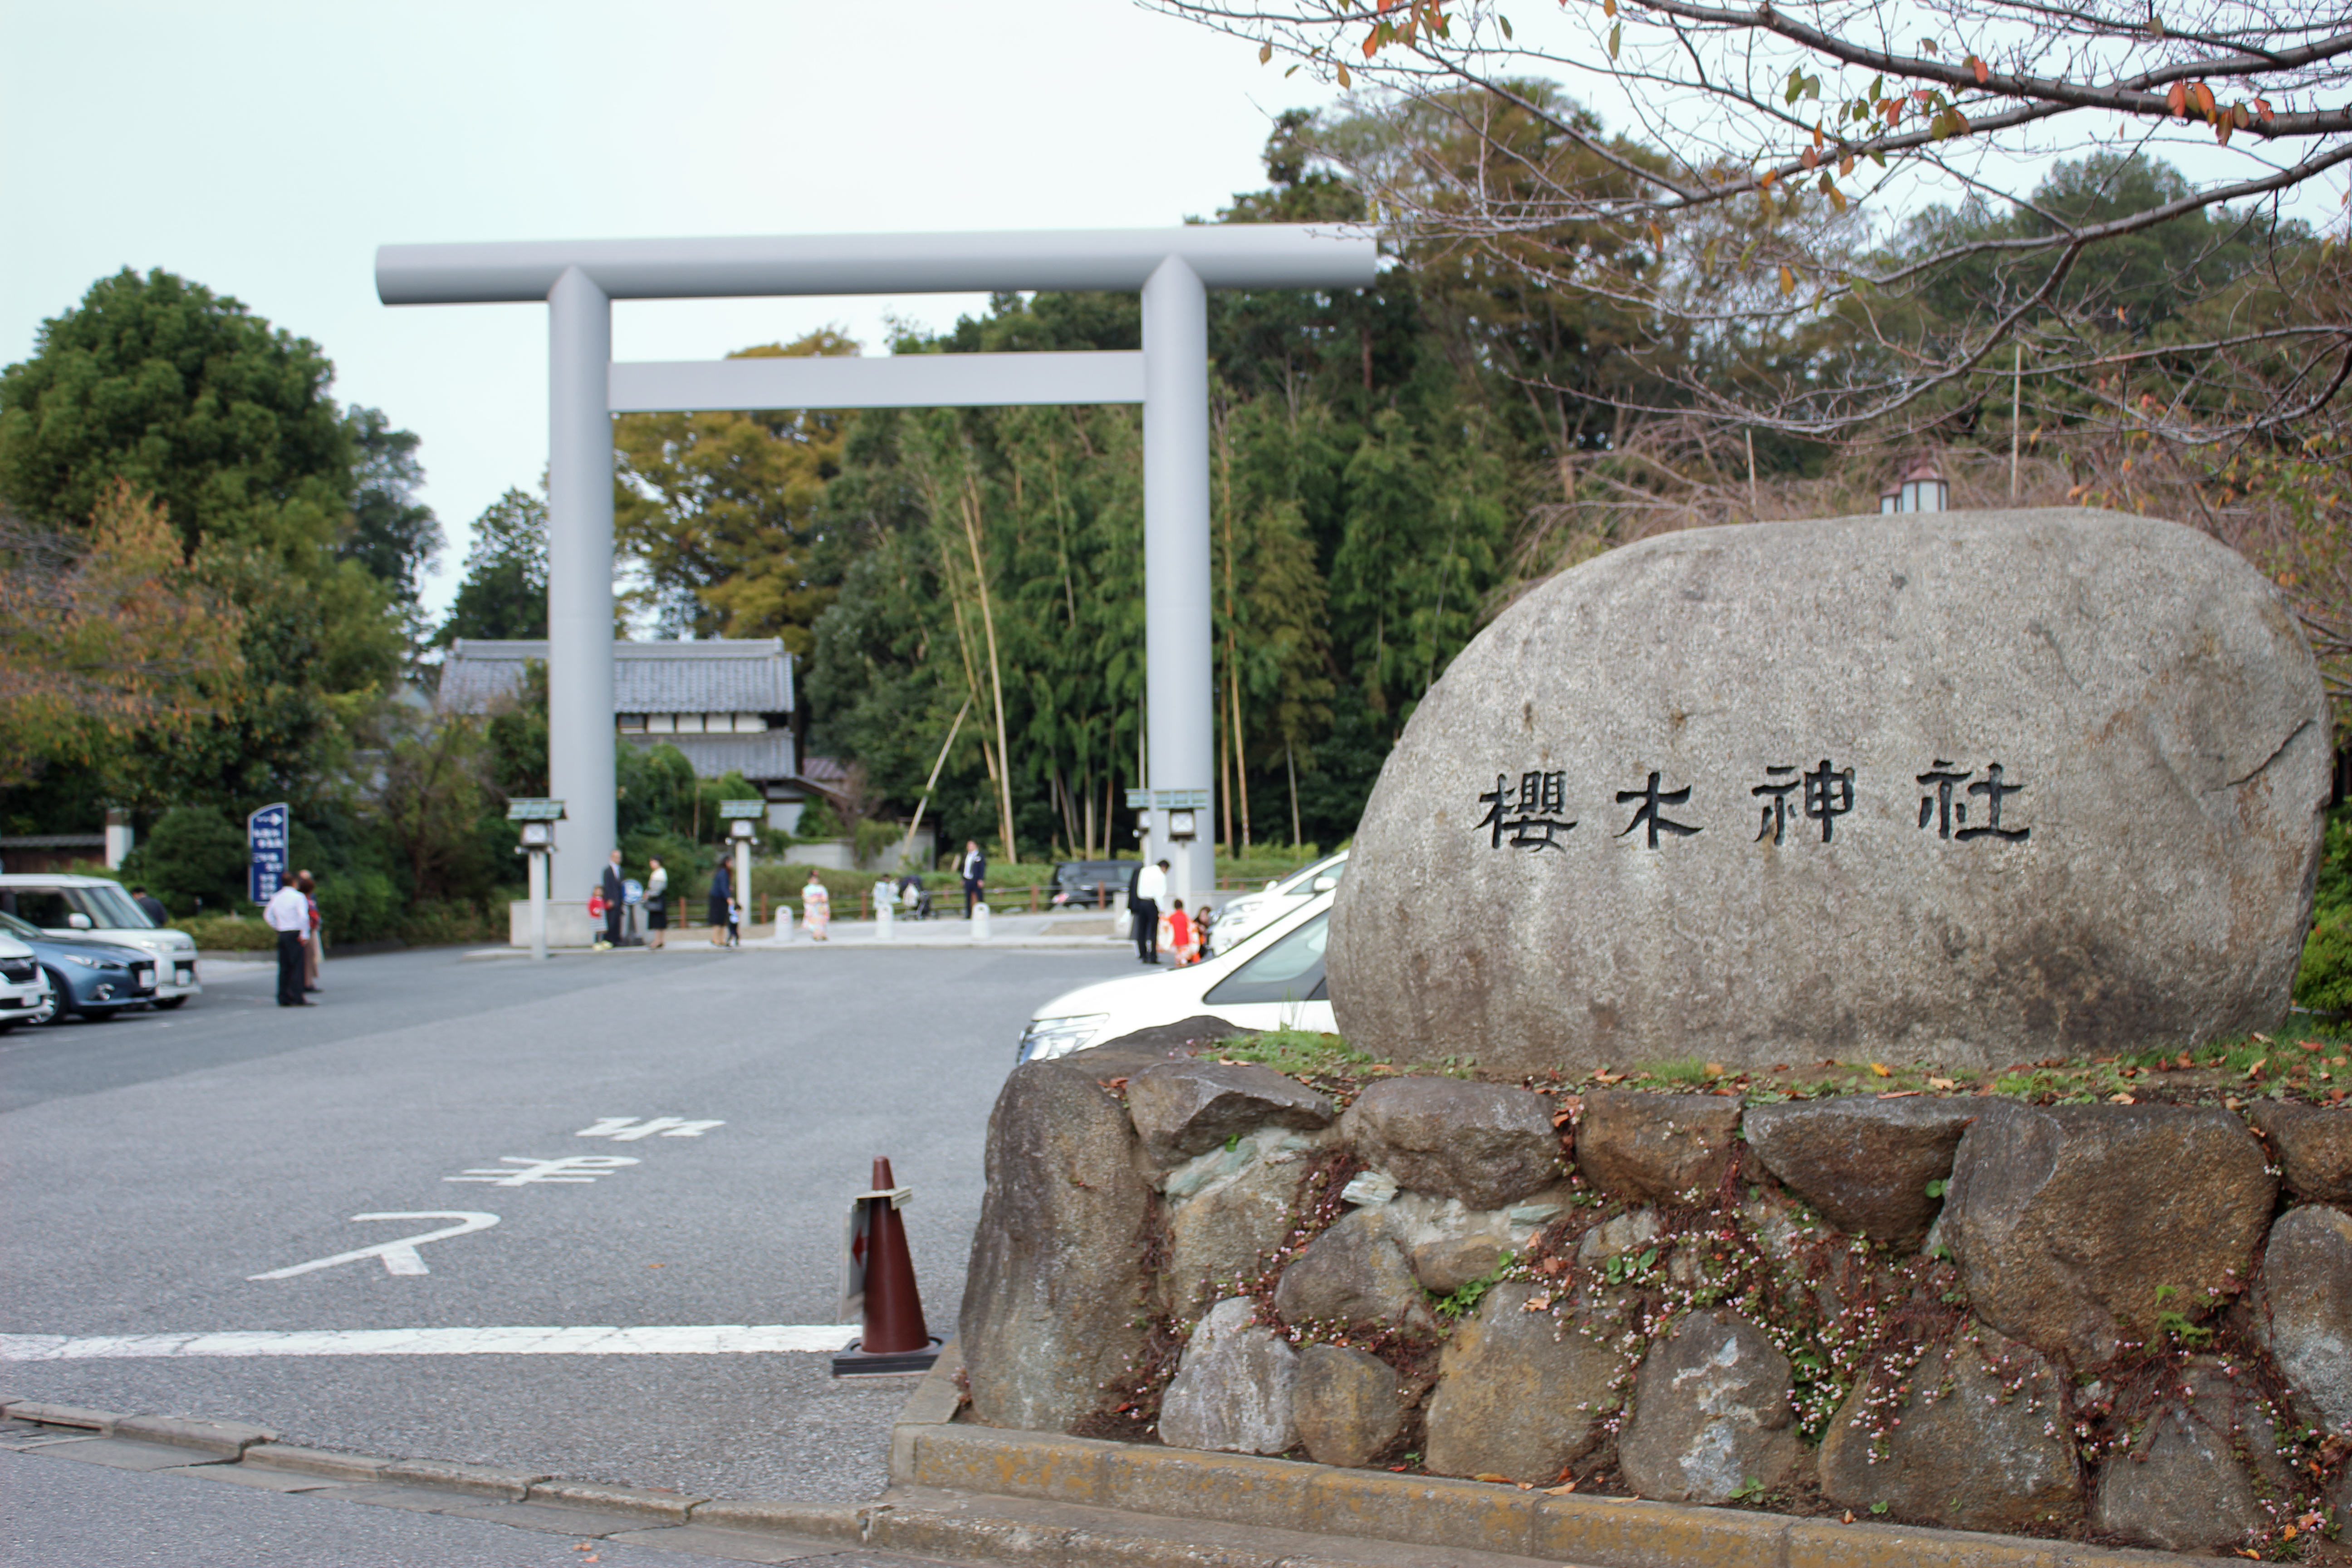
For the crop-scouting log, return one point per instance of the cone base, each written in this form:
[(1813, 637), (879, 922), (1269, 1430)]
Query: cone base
[(855, 1363)]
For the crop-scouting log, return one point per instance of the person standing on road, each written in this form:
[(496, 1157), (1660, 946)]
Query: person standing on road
[(817, 908), (615, 892), (1144, 891), (722, 894), (656, 912), (287, 914), (314, 946), (975, 875), (152, 906)]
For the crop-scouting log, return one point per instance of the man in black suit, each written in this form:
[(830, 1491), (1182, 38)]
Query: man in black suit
[(615, 892)]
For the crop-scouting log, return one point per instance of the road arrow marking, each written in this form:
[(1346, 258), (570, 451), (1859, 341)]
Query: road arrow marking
[(399, 1257)]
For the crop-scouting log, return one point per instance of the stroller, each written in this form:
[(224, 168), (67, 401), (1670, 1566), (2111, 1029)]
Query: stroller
[(922, 908)]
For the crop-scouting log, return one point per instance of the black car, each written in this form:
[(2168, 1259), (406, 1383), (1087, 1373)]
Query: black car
[(1087, 884), (95, 979)]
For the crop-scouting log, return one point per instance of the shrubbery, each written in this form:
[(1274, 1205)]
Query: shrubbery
[(2325, 983)]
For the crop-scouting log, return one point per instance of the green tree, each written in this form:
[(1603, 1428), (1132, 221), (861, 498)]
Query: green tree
[(394, 535), (195, 857), (193, 400), (503, 594), (718, 509)]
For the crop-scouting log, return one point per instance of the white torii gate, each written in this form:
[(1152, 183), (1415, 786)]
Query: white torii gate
[(1173, 267)]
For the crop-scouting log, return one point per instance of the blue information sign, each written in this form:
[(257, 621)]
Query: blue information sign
[(265, 843)]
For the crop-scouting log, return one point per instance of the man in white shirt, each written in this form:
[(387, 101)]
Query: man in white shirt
[(287, 914), (1143, 898)]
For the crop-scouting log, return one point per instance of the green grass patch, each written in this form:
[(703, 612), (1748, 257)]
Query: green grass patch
[(1296, 1053)]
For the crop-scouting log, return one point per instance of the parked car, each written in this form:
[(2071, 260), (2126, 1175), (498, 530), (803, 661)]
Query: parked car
[(1237, 918), (24, 992), (93, 906), (1273, 981), (1083, 884), (95, 979)]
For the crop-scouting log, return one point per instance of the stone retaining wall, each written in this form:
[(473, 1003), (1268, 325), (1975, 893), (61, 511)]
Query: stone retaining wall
[(2120, 1323)]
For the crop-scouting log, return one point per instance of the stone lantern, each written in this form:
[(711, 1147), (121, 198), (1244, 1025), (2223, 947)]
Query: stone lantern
[(1921, 488)]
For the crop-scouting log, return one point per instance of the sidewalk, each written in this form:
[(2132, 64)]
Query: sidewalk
[(1082, 932)]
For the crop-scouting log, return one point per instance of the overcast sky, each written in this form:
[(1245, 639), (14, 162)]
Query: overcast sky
[(266, 149)]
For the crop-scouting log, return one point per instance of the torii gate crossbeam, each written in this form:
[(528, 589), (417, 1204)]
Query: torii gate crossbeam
[(578, 279)]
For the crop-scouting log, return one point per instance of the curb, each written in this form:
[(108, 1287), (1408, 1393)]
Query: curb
[(930, 1451), (982, 1494)]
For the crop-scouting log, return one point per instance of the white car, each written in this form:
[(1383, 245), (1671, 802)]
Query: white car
[(1275, 981), (1239, 918), (93, 906), (25, 997)]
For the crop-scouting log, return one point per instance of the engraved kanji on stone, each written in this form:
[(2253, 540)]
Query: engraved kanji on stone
[(1829, 795), (1938, 806), (1993, 790), (1531, 813), (1652, 798), (1776, 808)]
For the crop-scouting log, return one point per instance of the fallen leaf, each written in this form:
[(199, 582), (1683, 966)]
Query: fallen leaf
[(1882, 1069), (1491, 1476), (1942, 1083), (2260, 1039), (2309, 1046), (1561, 1490), (2256, 1070), (1715, 1069), (1846, 1518), (2121, 1100), (1901, 1094)]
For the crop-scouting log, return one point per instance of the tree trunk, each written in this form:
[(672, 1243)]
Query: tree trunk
[(970, 500)]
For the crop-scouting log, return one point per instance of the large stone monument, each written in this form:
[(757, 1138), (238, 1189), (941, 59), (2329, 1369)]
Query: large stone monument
[(1963, 787)]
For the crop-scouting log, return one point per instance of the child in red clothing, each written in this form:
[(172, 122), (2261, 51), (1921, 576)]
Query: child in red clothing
[(1182, 940)]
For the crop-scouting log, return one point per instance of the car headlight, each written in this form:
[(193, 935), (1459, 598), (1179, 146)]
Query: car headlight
[(1046, 1039), (91, 962)]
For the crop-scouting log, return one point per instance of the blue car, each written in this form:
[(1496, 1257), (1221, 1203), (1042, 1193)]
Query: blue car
[(95, 979)]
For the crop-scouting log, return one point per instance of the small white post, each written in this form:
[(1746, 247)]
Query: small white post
[(538, 858), (743, 877), (882, 913), (980, 921)]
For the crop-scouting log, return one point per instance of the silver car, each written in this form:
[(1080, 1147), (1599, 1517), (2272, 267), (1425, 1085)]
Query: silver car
[(96, 907), (1239, 918)]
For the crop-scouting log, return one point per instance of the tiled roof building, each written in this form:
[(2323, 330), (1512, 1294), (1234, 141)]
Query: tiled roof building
[(727, 704)]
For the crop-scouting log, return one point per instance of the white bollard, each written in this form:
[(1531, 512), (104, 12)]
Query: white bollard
[(784, 925), (979, 921), (883, 918)]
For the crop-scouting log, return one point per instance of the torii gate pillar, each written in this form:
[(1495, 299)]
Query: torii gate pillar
[(1178, 627), (1174, 268)]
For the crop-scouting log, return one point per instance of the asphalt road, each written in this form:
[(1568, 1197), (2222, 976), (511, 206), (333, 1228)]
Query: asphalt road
[(154, 1165)]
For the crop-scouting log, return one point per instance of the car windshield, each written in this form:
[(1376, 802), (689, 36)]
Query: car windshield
[(15, 927), (44, 906), (1289, 970), (110, 907), (1303, 881)]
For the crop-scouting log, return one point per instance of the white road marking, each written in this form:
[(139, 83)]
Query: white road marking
[(628, 1129), (716, 1339), (531, 1169), (400, 1256)]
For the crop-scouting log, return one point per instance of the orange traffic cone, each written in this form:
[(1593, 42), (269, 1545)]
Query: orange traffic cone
[(895, 1339)]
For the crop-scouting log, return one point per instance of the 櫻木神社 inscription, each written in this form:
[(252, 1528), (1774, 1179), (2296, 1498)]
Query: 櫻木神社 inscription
[(1534, 812), (2063, 793)]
